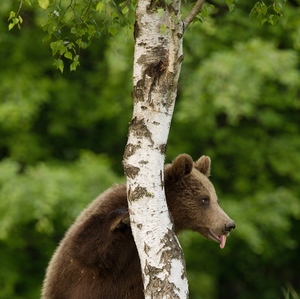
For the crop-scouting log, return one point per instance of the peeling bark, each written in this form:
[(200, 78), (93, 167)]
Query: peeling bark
[(157, 62)]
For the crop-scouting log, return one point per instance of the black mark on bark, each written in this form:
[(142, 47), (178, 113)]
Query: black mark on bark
[(161, 180), (180, 58), (131, 171), (140, 129), (138, 91), (146, 248), (130, 149), (163, 149), (154, 55), (171, 247), (155, 63), (155, 72), (155, 4), (137, 193), (136, 30)]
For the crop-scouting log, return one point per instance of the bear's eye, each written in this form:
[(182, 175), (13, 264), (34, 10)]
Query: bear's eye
[(205, 200)]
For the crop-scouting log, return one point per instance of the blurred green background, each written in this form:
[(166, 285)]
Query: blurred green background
[(62, 138)]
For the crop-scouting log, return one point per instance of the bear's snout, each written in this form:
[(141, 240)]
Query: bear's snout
[(229, 227)]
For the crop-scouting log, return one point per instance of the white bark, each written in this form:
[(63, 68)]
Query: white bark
[(157, 61)]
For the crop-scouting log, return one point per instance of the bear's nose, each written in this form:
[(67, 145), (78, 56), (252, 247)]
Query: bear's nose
[(229, 226)]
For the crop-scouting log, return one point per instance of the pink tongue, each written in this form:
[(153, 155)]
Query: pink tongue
[(222, 241)]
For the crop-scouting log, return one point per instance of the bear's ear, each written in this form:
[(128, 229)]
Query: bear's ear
[(182, 166), (203, 165)]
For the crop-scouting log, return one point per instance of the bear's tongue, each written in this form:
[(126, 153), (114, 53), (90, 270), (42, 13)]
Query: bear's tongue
[(222, 241)]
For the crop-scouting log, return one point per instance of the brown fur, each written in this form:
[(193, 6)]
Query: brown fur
[(97, 259)]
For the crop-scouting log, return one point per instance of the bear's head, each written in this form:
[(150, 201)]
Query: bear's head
[(192, 199)]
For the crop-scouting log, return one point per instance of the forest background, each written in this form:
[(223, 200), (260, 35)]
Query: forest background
[(62, 138)]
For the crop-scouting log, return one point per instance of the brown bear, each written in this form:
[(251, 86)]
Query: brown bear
[(98, 259)]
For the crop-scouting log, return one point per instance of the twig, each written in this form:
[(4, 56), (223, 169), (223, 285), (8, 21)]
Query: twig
[(18, 12), (188, 20)]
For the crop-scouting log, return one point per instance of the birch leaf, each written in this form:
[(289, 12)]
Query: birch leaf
[(43, 4)]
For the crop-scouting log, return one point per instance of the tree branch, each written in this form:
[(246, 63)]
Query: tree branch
[(188, 20)]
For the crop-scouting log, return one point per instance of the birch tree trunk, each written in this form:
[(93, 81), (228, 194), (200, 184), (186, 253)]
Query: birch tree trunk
[(157, 62)]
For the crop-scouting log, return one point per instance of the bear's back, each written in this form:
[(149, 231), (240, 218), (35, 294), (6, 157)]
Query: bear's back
[(97, 259)]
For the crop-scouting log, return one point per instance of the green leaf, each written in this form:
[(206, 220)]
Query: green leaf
[(271, 19), (231, 7), (113, 31), (28, 2), (277, 6), (43, 3), (57, 47), (12, 14), (263, 8), (74, 30), (15, 21), (68, 55), (125, 10), (163, 29), (47, 37), (100, 6), (207, 10), (11, 26), (98, 34), (231, 4), (59, 64), (82, 44), (75, 63), (254, 11), (160, 12)]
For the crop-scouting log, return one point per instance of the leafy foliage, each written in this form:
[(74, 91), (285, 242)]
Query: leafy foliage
[(36, 207), (231, 4), (14, 19), (227, 74), (270, 14), (74, 24)]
